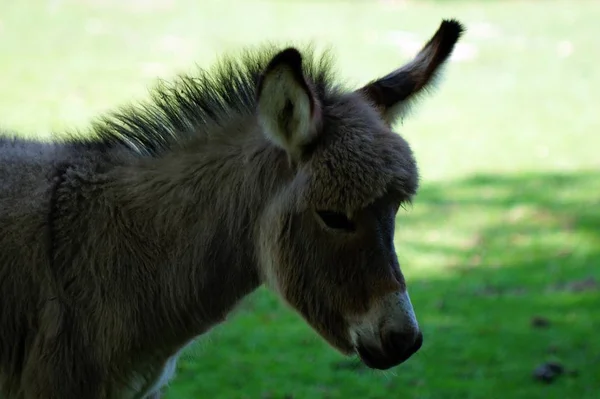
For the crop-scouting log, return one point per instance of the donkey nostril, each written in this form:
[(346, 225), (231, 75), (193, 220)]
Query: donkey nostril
[(404, 344)]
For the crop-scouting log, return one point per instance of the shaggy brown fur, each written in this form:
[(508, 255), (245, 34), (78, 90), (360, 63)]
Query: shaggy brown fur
[(117, 251)]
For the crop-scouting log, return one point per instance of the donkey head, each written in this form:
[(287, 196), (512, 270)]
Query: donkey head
[(327, 237)]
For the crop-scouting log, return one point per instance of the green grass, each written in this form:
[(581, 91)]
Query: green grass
[(507, 224)]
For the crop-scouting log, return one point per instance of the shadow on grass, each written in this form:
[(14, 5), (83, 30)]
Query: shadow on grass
[(519, 285), (504, 275)]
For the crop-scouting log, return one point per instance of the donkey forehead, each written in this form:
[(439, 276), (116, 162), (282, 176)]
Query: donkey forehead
[(358, 160)]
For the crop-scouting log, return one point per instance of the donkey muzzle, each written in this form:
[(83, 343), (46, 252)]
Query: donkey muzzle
[(397, 347), (390, 333)]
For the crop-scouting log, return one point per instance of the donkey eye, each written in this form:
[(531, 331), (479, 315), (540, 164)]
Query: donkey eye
[(336, 220)]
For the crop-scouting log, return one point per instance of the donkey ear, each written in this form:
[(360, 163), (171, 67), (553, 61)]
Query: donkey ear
[(288, 109), (394, 92)]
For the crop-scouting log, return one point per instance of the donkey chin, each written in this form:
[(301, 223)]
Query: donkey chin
[(388, 334)]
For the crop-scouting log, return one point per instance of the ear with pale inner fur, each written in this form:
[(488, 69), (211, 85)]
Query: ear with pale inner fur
[(393, 93), (288, 109)]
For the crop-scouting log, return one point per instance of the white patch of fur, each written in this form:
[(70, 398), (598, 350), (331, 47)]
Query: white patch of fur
[(142, 387), (163, 377)]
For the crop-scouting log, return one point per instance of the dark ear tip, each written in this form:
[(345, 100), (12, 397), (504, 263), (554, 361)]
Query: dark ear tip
[(452, 27), (290, 56)]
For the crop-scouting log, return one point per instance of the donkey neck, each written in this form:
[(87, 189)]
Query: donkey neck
[(196, 211)]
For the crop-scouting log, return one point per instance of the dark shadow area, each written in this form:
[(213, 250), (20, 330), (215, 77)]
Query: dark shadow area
[(520, 287)]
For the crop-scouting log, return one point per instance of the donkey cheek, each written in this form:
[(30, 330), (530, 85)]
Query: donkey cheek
[(330, 325)]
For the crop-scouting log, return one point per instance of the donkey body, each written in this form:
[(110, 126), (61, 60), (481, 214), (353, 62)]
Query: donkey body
[(119, 250)]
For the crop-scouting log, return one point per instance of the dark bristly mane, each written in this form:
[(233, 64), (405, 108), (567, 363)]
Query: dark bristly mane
[(189, 105)]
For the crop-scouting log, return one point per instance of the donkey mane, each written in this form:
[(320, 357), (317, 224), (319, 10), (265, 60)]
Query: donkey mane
[(192, 103)]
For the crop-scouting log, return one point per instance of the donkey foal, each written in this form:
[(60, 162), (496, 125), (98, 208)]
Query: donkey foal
[(117, 250)]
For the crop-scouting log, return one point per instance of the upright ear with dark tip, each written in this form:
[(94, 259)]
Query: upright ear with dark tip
[(288, 109), (392, 93)]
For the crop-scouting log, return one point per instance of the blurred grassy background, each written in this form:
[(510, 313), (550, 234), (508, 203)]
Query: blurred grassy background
[(502, 247)]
